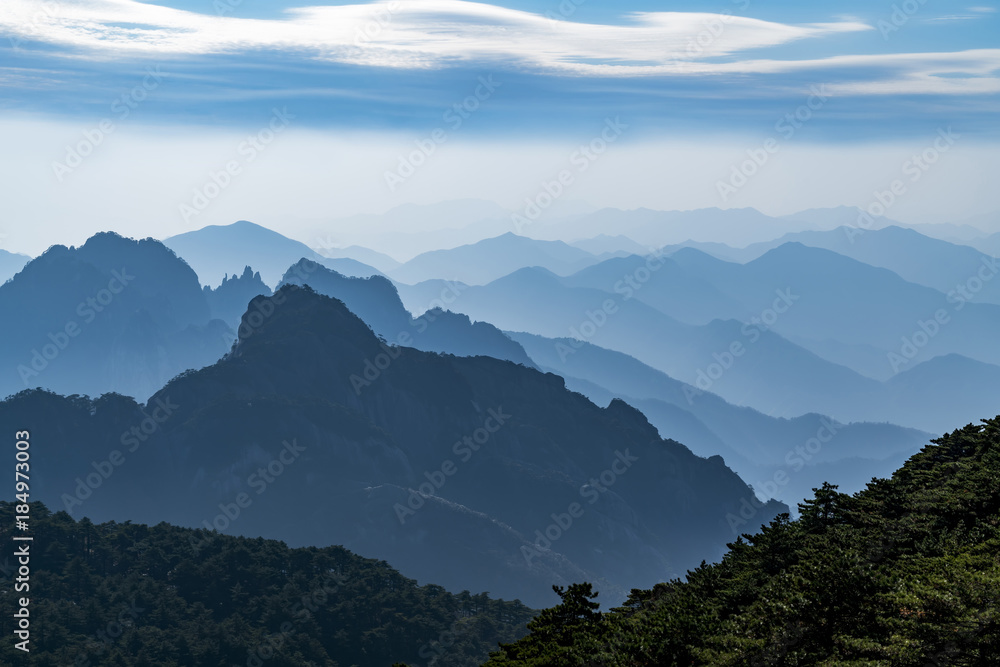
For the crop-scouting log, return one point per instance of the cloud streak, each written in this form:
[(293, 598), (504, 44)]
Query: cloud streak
[(416, 34), (437, 34), (432, 34)]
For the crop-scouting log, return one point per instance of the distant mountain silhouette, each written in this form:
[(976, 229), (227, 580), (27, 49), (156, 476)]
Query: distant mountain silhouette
[(217, 250), (946, 386), (376, 301), (603, 243), (379, 260), (738, 226), (855, 304), (91, 333), (838, 216), (771, 374), (989, 245), (111, 315), (501, 451), (10, 264), (753, 444), (487, 260), (914, 257), (408, 230), (814, 331), (671, 289), (229, 300)]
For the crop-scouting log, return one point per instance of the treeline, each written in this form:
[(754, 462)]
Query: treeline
[(904, 573), (134, 595)]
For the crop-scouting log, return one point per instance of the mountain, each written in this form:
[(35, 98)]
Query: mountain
[(132, 594), (217, 250), (379, 260), (650, 228), (916, 258), (720, 250), (487, 260), (229, 300), (93, 332), (470, 472), (376, 301), (841, 299), (112, 315), (988, 223), (989, 245), (768, 373), (669, 288), (902, 573), (603, 243), (950, 385), (10, 264), (408, 230), (838, 216), (759, 448)]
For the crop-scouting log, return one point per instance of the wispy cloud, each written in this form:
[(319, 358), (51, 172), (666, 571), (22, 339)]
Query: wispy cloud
[(437, 34), (418, 34), (425, 33), (975, 13)]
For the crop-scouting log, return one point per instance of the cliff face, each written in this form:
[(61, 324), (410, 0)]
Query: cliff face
[(469, 472)]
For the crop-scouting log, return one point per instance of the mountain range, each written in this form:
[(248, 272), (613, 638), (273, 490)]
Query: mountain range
[(216, 251), (471, 472)]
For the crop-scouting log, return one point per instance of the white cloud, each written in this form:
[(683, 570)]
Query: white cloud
[(427, 34), (409, 34)]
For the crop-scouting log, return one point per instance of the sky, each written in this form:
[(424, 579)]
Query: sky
[(158, 118)]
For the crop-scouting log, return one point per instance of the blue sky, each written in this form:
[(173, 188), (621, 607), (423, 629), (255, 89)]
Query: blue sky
[(729, 65), (720, 75)]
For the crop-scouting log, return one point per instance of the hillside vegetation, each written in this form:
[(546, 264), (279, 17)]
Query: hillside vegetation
[(904, 573)]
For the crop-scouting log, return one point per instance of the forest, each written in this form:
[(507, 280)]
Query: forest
[(904, 573), (124, 594)]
